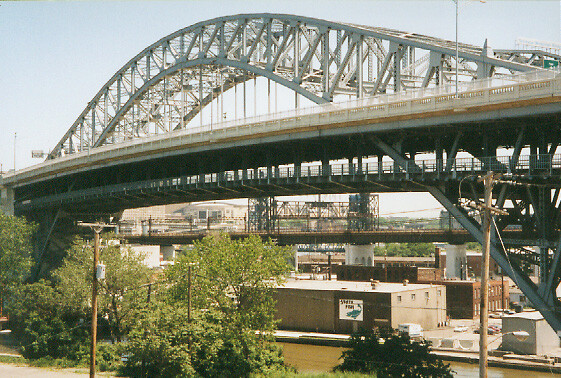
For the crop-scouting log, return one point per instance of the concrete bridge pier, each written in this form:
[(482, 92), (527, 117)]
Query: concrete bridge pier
[(6, 200), (359, 254), (295, 250), (456, 261)]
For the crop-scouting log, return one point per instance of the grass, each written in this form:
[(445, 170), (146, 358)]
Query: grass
[(12, 360)]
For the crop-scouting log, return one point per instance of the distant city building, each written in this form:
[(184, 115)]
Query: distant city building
[(184, 217), (202, 211)]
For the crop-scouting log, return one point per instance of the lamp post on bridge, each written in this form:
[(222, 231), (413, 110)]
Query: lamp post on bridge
[(457, 52)]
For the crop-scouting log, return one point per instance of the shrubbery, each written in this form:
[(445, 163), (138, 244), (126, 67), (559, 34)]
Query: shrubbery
[(232, 314), (391, 354)]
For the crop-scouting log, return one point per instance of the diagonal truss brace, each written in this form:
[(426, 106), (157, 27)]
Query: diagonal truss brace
[(546, 306)]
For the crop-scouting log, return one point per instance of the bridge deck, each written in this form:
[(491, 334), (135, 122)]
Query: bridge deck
[(377, 114)]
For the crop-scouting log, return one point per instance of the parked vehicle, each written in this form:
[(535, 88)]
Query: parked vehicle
[(491, 330), (412, 329), (461, 329)]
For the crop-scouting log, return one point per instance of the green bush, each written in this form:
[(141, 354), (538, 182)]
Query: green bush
[(158, 345), (390, 354), (46, 328)]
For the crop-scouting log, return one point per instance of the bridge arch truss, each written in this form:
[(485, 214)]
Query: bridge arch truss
[(170, 82)]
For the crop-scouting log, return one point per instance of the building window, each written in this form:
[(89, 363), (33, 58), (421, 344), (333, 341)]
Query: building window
[(412, 297), (399, 298), (427, 295), (439, 292)]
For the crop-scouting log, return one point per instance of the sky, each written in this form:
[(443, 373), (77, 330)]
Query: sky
[(56, 55)]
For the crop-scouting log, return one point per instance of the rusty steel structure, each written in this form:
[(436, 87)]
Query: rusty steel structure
[(360, 213)]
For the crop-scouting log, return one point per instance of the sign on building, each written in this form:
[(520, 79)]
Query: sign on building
[(351, 309)]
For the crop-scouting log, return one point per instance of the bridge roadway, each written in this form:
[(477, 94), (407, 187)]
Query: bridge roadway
[(328, 237), (365, 127)]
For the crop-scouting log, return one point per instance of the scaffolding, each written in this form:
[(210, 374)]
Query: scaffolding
[(360, 213)]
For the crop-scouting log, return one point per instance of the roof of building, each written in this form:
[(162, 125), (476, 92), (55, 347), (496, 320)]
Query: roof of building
[(530, 315), (381, 287), (403, 258), (452, 282)]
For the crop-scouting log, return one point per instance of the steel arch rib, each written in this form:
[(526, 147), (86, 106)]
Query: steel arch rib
[(192, 37), (224, 62)]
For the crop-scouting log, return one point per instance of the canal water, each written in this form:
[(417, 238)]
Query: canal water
[(314, 358)]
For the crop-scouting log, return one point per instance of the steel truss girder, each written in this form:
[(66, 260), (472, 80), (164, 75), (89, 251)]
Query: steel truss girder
[(158, 88), (541, 297)]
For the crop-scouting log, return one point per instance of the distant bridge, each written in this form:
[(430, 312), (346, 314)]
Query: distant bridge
[(150, 135), (326, 237)]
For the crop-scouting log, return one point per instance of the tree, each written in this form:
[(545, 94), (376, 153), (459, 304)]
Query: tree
[(158, 343), (15, 255), (45, 326), (119, 293), (232, 311), (390, 354), (52, 318)]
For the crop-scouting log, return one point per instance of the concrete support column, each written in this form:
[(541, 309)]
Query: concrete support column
[(295, 250), (359, 254), (456, 261), (167, 252), (6, 200)]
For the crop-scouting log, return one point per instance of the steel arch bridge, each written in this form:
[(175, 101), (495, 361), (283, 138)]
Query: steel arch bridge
[(166, 86), (171, 81)]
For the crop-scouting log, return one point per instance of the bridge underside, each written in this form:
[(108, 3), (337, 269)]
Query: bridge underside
[(381, 160)]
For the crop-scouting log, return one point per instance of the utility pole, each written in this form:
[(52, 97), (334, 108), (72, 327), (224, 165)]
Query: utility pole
[(488, 181), (484, 309), (97, 228), (189, 293), (189, 302), (97, 231), (15, 137)]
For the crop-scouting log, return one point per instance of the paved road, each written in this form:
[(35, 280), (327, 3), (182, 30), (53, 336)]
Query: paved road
[(15, 371)]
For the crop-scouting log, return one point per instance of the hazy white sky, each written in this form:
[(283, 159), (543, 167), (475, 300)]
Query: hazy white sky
[(55, 56)]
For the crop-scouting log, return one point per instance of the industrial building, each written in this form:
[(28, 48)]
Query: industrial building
[(463, 297), (542, 338), (345, 306)]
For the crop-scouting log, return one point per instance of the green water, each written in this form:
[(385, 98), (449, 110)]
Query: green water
[(314, 358)]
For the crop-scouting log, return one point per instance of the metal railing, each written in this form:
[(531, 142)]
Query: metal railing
[(524, 165)]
